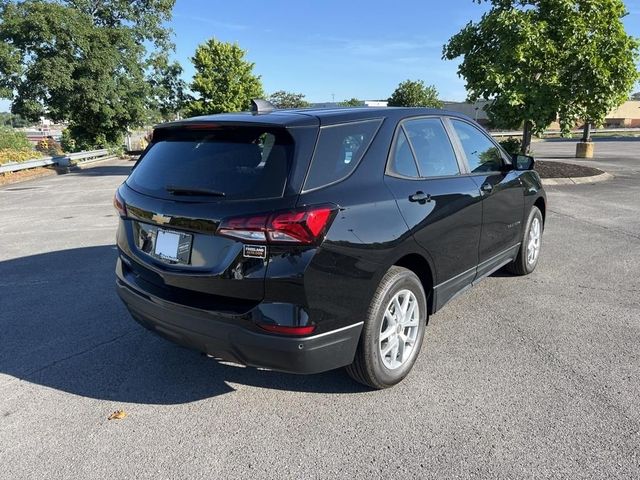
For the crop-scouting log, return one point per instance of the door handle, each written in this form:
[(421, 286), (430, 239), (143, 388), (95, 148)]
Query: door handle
[(420, 197), (486, 187)]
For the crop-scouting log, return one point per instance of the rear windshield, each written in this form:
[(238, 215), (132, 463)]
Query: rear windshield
[(220, 163)]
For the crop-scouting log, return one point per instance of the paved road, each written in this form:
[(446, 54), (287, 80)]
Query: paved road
[(520, 377)]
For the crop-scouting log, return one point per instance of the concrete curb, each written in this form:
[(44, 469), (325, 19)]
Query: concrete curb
[(577, 180)]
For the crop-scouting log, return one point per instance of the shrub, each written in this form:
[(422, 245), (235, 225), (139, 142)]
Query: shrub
[(14, 146), (13, 139), (8, 155), (511, 145), (49, 147), (67, 142)]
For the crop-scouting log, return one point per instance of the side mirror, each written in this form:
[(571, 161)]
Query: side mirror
[(523, 162)]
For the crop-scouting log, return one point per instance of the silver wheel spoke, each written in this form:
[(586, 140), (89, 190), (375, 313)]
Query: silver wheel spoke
[(389, 347), (387, 333)]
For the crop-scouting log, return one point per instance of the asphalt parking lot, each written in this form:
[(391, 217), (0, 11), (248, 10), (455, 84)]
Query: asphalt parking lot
[(520, 377)]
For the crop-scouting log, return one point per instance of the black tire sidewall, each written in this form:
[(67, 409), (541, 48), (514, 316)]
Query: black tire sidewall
[(403, 280)]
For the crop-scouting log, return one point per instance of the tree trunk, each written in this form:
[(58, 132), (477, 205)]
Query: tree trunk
[(586, 133), (526, 138)]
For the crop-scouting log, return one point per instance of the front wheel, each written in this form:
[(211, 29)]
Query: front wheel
[(529, 252), (393, 330)]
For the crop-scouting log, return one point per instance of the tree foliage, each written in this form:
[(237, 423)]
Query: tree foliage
[(414, 93), (352, 102), (82, 61), (8, 119), (167, 95), (224, 80), (282, 99), (540, 59)]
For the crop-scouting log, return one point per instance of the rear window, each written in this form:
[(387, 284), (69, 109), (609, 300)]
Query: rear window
[(338, 152), (237, 162)]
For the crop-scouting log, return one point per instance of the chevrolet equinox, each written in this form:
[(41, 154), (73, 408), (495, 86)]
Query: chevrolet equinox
[(308, 240)]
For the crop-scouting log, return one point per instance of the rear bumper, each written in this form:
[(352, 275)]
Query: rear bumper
[(225, 337)]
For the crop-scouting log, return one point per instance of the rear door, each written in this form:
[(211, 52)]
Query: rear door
[(186, 183), (502, 192), (440, 205)]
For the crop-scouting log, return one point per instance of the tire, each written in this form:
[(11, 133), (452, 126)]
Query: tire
[(370, 367), (523, 265)]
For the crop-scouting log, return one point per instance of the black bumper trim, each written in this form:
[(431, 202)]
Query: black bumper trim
[(226, 338)]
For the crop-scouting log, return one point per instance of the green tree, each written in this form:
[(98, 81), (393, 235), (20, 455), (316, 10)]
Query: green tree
[(414, 93), (8, 119), (224, 80), (167, 89), (82, 61), (539, 60), (282, 99), (352, 102)]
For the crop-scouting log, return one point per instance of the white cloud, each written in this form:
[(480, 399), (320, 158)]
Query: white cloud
[(214, 23)]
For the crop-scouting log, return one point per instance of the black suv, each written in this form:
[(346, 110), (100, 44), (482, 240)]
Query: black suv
[(308, 240)]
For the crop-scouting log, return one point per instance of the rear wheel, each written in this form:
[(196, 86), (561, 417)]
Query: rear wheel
[(529, 252), (393, 330)]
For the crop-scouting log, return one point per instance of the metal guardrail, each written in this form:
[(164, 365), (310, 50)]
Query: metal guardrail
[(62, 161), (518, 133)]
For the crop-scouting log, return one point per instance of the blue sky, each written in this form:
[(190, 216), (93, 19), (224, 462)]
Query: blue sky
[(348, 48)]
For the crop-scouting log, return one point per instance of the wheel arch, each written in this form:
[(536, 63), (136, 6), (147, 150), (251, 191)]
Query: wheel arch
[(419, 265), (542, 206)]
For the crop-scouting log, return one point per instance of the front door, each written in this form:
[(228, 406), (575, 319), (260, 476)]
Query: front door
[(503, 197), (441, 207)]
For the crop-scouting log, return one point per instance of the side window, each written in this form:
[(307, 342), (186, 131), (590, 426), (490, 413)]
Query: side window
[(482, 154), (338, 152), (433, 149), (402, 161)]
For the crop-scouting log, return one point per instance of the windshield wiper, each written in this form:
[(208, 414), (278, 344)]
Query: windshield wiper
[(176, 190)]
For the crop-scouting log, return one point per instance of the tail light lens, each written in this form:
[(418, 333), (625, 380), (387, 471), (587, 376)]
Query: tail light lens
[(302, 226), (119, 205)]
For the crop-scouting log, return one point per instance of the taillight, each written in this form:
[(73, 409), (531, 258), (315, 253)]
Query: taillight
[(306, 226), (119, 204), (286, 330)]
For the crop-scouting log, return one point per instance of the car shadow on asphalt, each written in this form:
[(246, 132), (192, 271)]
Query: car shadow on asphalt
[(64, 327)]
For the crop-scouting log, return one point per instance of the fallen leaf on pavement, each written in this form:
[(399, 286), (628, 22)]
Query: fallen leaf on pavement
[(117, 415)]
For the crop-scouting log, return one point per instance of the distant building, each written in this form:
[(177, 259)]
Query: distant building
[(472, 110), (626, 115)]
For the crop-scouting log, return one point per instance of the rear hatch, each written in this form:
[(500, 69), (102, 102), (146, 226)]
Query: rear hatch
[(190, 179)]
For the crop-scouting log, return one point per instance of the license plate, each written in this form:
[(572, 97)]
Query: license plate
[(173, 246)]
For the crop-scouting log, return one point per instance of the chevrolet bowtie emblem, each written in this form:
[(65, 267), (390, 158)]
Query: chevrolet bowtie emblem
[(160, 219)]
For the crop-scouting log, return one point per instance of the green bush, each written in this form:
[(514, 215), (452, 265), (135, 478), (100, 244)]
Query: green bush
[(511, 145), (13, 140), (67, 142)]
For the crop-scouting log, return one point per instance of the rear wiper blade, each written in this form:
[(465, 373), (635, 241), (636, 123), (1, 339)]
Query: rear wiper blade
[(176, 190)]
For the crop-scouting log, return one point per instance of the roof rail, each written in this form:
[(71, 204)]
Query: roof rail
[(259, 106)]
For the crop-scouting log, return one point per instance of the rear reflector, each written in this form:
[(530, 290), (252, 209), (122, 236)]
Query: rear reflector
[(303, 226), (119, 204), (284, 330)]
